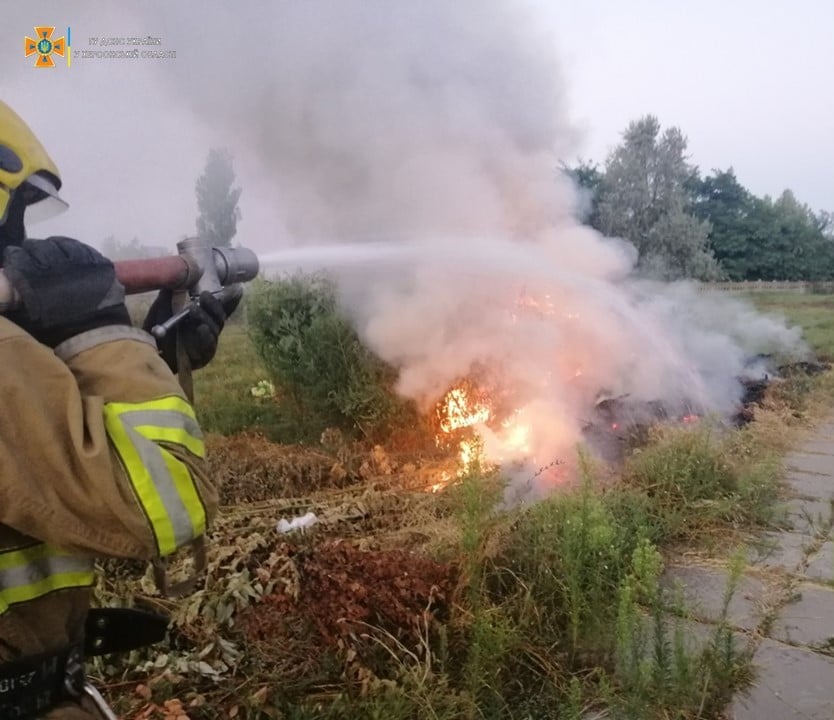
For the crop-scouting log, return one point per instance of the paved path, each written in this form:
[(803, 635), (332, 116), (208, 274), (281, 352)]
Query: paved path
[(784, 602)]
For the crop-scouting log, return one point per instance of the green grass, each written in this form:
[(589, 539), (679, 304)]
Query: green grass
[(813, 313), (698, 478), (326, 376), (222, 390)]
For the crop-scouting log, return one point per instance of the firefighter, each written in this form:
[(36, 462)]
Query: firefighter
[(100, 453)]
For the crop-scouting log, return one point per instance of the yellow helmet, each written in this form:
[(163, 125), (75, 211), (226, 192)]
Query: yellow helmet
[(25, 168)]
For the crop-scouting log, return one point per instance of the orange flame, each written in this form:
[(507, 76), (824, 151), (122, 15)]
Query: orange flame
[(465, 406), (457, 410), (468, 454), (441, 484), (460, 409), (516, 435)]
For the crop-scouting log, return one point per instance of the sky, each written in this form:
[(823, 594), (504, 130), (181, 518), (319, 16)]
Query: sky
[(748, 83)]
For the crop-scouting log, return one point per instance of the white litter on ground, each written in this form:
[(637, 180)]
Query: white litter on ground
[(297, 523)]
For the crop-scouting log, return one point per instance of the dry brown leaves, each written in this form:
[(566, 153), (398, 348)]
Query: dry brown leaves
[(284, 607), (169, 710), (250, 468), (344, 589)]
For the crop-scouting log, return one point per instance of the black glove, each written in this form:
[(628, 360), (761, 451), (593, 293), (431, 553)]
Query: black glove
[(199, 330), (66, 288)]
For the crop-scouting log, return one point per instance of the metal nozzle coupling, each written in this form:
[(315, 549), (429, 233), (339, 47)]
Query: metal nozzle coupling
[(235, 265), (219, 271)]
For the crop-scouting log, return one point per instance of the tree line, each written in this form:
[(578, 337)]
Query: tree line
[(711, 227)]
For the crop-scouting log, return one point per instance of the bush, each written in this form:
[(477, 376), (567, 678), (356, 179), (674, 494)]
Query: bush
[(324, 376)]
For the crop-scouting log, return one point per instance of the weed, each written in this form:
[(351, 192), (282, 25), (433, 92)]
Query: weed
[(698, 477), (324, 375), (660, 669)]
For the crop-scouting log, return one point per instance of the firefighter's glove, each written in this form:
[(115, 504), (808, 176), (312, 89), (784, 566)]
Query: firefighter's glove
[(65, 287), (198, 331)]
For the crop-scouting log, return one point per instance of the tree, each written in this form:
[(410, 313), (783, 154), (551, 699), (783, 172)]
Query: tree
[(676, 248), (825, 223), (728, 206), (644, 197), (217, 199), (588, 179), (762, 239), (686, 226), (807, 252)]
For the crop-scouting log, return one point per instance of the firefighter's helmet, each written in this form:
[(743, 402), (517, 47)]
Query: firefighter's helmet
[(26, 170)]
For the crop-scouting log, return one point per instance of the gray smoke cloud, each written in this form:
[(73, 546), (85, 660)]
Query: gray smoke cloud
[(382, 120), (438, 127)]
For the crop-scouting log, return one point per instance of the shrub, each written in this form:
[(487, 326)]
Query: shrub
[(324, 376)]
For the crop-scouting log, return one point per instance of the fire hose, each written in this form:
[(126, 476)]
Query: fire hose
[(196, 268)]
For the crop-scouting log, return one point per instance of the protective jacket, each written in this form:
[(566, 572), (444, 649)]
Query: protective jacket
[(100, 455)]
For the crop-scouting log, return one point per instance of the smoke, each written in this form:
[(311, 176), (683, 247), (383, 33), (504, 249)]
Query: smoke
[(441, 125)]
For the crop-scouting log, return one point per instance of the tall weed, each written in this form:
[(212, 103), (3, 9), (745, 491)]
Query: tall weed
[(325, 377)]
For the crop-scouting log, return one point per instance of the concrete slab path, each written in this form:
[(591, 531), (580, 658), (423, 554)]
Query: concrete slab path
[(783, 604), (785, 601)]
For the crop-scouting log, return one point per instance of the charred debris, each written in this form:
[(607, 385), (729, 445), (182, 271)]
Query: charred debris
[(623, 421)]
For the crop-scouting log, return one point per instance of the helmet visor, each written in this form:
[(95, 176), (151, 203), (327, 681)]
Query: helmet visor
[(40, 194)]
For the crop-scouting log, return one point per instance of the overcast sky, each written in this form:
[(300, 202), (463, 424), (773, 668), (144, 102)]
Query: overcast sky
[(748, 82)]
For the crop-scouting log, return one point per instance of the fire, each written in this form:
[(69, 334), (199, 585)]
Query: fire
[(468, 453), (468, 406), (462, 407), (516, 436), (441, 484), (543, 306), (457, 410)]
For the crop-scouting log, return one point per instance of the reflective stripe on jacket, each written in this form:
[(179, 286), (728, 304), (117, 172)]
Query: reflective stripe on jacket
[(78, 428), (37, 570), (163, 484)]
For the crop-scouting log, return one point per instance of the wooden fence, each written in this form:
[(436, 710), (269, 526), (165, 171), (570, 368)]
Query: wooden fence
[(769, 286)]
